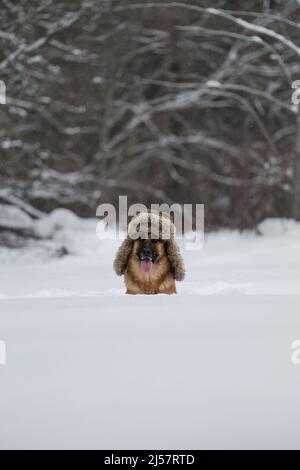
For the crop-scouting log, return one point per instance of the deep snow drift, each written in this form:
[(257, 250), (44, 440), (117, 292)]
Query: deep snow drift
[(88, 367)]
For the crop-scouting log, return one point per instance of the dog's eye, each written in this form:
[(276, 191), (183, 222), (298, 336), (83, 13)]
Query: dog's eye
[(154, 241)]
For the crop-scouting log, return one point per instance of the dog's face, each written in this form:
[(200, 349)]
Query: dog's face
[(150, 265), (148, 252), (149, 269)]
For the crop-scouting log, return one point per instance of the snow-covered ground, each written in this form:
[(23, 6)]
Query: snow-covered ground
[(88, 367)]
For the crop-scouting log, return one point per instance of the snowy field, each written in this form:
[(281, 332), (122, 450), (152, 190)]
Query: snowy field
[(88, 367)]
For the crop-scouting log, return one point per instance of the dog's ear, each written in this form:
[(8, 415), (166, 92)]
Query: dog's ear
[(122, 256), (176, 261)]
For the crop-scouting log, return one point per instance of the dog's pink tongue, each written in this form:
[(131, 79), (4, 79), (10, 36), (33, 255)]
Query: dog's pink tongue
[(146, 266)]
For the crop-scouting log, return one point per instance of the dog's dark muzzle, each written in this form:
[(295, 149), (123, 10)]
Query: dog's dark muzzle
[(148, 254)]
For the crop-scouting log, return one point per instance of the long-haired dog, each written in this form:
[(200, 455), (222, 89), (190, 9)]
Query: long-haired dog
[(149, 257)]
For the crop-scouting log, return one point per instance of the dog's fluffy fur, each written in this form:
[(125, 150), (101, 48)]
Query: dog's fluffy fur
[(168, 266)]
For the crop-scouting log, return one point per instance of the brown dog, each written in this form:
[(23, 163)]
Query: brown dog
[(149, 258)]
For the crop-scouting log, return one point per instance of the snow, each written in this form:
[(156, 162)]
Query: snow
[(68, 231), (14, 218), (257, 29), (88, 367), (213, 84)]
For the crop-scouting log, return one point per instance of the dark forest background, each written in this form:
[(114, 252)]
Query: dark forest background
[(186, 102)]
